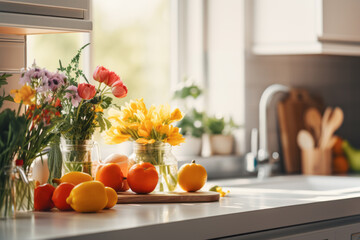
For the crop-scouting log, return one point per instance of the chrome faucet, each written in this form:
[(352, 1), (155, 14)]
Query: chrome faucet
[(261, 161)]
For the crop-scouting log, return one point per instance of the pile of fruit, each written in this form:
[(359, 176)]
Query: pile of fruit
[(80, 192), (76, 191)]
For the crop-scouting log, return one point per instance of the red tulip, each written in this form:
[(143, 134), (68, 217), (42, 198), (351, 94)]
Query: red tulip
[(86, 91), (101, 74), (113, 77), (119, 89)]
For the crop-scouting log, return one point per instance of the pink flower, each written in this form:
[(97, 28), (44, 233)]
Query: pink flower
[(56, 80), (101, 74), (113, 77), (72, 95), (119, 89), (86, 91)]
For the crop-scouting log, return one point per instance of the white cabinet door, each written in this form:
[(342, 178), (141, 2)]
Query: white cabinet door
[(305, 26), (44, 16)]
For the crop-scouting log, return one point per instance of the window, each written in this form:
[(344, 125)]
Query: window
[(131, 38)]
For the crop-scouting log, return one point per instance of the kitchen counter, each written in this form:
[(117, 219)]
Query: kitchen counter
[(240, 212)]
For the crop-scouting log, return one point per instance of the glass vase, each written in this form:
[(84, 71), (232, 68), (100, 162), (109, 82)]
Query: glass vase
[(79, 156), (24, 190), (7, 204), (55, 160), (159, 154)]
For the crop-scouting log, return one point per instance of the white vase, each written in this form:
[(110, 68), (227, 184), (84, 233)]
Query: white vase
[(191, 147), (221, 144)]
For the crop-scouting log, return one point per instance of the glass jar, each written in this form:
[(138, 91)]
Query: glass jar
[(24, 190), (158, 154), (79, 156), (7, 204)]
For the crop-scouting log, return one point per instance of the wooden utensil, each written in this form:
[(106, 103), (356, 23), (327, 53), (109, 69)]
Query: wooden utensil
[(331, 142), (313, 121), (324, 120), (330, 123), (291, 112), (305, 140), (172, 197)]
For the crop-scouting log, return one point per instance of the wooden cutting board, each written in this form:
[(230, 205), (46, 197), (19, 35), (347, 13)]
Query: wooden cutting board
[(174, 197), (291, 112)]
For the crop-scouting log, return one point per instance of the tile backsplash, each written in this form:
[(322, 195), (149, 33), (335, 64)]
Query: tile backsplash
[(336, 79)]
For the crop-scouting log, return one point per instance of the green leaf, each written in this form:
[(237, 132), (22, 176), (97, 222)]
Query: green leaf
[(106, 102), (213, 189), (108, 123)]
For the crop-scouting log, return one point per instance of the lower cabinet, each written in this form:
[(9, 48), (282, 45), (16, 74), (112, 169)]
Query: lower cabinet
[(338, 229)]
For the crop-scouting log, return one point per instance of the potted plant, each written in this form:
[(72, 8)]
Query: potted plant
[(192, 128), (221, 138), (192, 125)]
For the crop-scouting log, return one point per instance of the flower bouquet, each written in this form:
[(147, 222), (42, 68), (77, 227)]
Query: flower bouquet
[(153, 133), (38, 95), (82, 111)]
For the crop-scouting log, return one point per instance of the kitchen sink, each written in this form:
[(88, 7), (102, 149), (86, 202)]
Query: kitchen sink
[(298, 184)]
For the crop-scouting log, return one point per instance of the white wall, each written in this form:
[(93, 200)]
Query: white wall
[(225, 67)]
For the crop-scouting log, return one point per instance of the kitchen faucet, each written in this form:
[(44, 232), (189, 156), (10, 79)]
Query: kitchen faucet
[(260, 160)]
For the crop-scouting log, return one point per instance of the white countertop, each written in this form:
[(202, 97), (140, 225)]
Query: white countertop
[(242, 211)]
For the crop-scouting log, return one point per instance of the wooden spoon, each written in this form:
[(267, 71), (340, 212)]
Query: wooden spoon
[(331, 142), (313, 120), (331, 125), (305, 140), (324, 121)]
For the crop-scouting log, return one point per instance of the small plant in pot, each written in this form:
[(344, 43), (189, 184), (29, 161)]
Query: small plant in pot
[(192, 128), (221, 138), (192, 125)]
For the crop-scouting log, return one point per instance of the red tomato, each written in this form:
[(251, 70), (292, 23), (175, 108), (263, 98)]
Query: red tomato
[(42, 197)]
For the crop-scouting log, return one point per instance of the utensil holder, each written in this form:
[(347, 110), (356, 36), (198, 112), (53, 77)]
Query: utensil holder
[(316, 161)]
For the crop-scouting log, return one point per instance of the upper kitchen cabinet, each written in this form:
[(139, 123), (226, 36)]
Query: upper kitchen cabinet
[(44, 16), (305, 27)]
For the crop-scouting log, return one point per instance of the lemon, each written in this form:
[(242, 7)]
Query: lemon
[(192, 177), (74, 178), (88, 196), (112, 197)]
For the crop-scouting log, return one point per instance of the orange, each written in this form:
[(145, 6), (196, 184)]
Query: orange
[(340, 165), (337, 148), (142, 177), (110, 175), (192, 177), (60, 195), (112, 197)]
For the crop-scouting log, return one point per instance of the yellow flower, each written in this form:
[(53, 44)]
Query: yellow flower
[(173, 136), (222, 193), (115, 136), (145, 129), (99, 109), (25, 94), (134, 121), (176, 115), (145, 141)]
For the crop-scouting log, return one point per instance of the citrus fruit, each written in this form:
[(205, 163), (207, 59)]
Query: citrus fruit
[(111, 176), (142, 177), (112, 197), (42, 197), (74, 178), (88, 197), (192, 177), (122, 160), (60, 195)]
